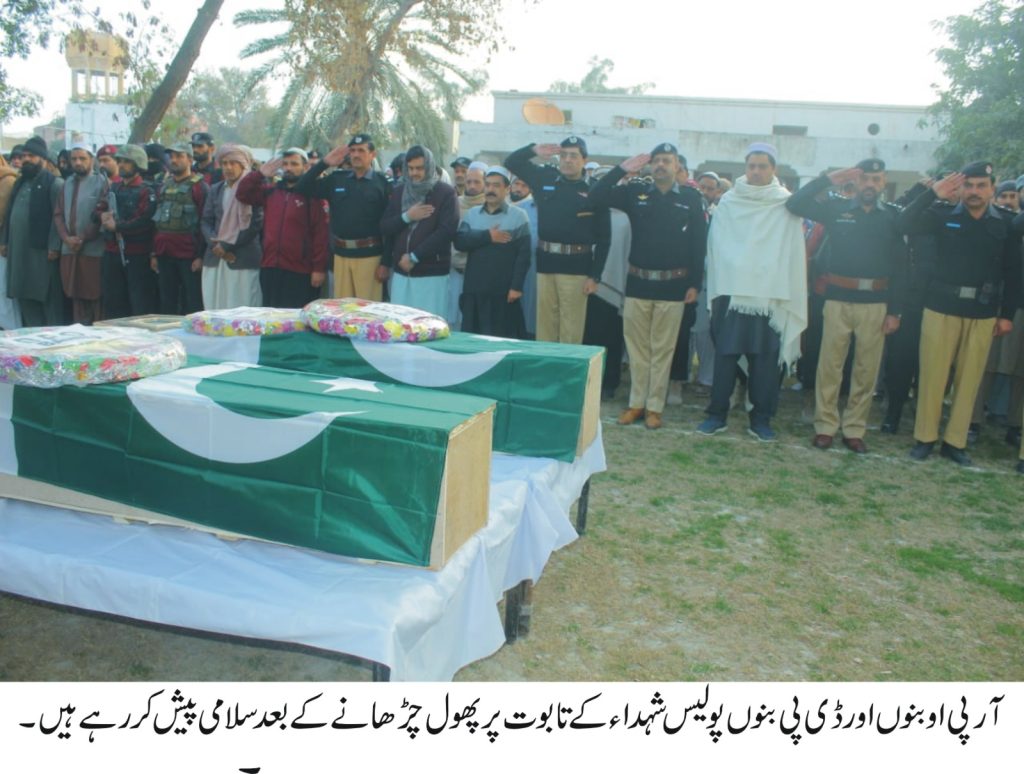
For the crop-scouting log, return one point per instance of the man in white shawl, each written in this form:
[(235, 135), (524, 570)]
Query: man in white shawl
[(756, 289)]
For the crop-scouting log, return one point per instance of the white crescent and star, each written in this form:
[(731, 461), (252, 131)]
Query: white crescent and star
[(200, 426), (421, 367)]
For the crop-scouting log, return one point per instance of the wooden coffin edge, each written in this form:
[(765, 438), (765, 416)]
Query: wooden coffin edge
[(590, 416)]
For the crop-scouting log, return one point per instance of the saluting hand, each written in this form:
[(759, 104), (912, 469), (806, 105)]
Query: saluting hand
[(635, 164), (947, 187), (271, 168), (336, 156), (500, 237), (840, 176), (546, 150)]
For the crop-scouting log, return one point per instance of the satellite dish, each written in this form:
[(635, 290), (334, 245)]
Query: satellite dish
[(537, 110)]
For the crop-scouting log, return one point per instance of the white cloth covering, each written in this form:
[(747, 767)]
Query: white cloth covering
[(756, 255), (424, 625)]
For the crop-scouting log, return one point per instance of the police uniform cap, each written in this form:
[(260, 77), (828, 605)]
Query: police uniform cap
[(461, 161), (978, 169), (202, 138), (871, 165), (665, 147), (1007, 186), (575, 142), (1020, 182), (360, 139), (135, 154), (181, 147)]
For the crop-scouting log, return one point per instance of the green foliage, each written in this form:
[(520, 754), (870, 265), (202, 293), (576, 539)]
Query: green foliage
[(388, 67), (596, 81), (982, 112), (229, 104)]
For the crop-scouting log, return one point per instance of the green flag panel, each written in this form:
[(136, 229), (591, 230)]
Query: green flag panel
[(337, 464)]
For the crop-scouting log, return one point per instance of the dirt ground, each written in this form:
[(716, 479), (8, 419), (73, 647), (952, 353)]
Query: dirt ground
[(715, 558)]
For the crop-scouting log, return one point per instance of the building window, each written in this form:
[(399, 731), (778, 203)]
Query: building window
[(786, 129)]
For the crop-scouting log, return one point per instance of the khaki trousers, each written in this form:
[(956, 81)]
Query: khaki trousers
[(650, 329), (843, 319), (561, 308), (357, 278), (948, 341)]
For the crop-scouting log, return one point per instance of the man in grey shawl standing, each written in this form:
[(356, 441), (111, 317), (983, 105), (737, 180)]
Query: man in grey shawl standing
[(419, 224), (79, 230), (756, 289)]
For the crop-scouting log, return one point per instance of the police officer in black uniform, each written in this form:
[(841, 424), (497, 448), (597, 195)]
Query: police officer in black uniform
[(972, 290), (666, 265), (572, 237), (865, 260), (357, 198)]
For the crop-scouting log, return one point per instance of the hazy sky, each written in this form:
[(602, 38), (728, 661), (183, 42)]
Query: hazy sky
[(876, 51)]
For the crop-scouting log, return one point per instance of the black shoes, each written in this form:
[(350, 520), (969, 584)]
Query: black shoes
[(922, 450), (959, 456)]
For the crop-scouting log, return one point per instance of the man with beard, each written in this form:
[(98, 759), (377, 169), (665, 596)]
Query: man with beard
[(126, 216), (30, 240), (666, 263), (178, 241), (972, 291), (203, 151), (573, 237), (356, 198), (295, 235), (107, 163), (459, 169), (231, 228), (757, 291), (82, 245), (496, 237), (866, 258), (521, 196), (472, 196), (420, 222)]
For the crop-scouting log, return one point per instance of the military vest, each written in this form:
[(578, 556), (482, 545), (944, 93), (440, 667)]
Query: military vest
[(176, 210)]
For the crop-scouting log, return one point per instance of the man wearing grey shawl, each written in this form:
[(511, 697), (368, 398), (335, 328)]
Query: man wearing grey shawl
[(231, 266), (419, 224)]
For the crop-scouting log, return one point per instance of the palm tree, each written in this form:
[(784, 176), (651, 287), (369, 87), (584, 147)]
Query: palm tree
[(388, 67)]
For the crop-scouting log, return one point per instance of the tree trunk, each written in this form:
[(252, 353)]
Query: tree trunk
[(164, 94)]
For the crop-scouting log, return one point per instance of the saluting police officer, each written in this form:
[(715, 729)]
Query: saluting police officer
[(572, 237), (357, 198), (971, 294), (866, 251), (666, 264)]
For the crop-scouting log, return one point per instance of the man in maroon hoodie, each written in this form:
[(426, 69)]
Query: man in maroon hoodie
[(295, 233), (419, 224)]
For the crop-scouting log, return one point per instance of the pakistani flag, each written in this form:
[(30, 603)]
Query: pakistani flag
[(547, 395), (337, 464)]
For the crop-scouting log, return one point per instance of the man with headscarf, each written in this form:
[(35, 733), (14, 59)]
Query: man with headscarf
[(472, 196), (420, 222), (295, 236), (496, 237), (30, 240), (231, 228), (757, 291), (128, 282), (178, 240), (82, 244)]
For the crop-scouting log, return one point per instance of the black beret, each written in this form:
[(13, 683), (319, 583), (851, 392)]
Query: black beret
[(575, 142), (665, 147), (871, 165), (202, 138), (461, 161), (978, 169)]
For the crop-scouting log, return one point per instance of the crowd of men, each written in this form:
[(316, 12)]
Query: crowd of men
[(745, 276)]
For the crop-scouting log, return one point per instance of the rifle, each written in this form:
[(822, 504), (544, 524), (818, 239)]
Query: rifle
[(112, 205)]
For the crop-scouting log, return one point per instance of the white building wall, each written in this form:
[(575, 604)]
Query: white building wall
[(96, 123)]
